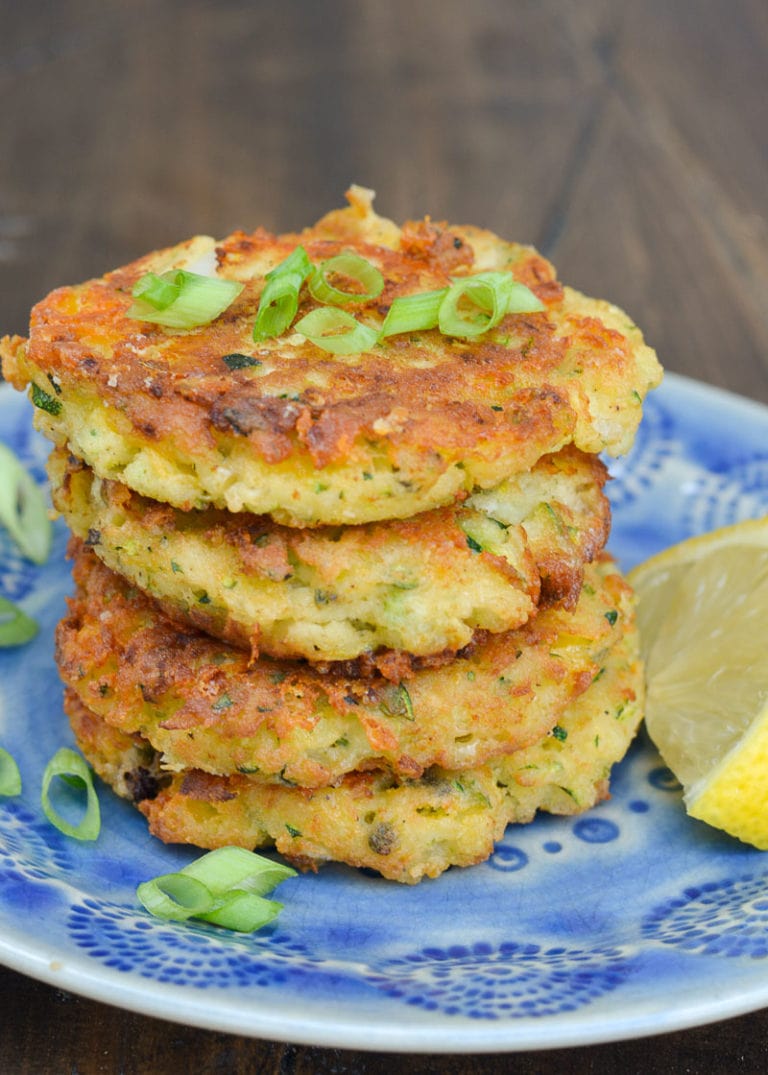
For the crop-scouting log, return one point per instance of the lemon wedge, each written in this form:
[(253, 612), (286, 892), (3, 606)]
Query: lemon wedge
[(703, 619)]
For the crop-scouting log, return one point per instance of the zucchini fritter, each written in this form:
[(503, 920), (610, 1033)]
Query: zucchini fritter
[(204, 705), (424, 585), (311, 437), (405, 830)]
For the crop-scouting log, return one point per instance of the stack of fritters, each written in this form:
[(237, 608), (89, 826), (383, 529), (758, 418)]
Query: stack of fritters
[(354, 606)]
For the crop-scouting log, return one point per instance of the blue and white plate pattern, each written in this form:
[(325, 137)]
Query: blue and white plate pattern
[(631, 920)]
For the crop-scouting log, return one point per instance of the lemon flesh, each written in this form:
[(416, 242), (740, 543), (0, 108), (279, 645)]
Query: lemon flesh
[(703, 617)]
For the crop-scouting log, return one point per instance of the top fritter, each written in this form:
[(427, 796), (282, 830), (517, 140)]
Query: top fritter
[(281, 424)]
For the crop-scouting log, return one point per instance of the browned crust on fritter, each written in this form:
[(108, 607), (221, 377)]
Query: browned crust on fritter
[(406, 829), (560, 565), (209, 707), (550, 571), (423, 403), (192, 397)]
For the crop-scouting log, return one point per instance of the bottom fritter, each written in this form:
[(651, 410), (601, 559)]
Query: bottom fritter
[(405, 830)]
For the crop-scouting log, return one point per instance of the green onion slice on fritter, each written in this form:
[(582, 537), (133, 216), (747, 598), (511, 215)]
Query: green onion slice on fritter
[(280, 297), (336, 331), (468, 308), (475, 304), (181, 299), (523, 301), (413, 313), (368, 281)]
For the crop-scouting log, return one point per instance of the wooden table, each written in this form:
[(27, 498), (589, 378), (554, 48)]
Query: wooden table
[(627, 141)]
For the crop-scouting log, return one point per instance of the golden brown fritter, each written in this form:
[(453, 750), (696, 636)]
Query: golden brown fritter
[(204, 705), (310, 437), (405, 830), (422, 585)]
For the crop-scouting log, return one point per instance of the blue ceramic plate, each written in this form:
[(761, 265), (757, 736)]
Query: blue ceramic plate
[(631, 920)]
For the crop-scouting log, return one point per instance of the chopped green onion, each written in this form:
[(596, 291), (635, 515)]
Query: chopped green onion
[(175, 897), (10, 777), (336, 331), (523, 301), (23, 512), (16, 627), (278, 306), (280, 297), (475, 304), (413, 313), (242, 911), (225, 887), (355, 268), (45, 401), (158, 291), (229, 868), (181, 299), (74, 771)]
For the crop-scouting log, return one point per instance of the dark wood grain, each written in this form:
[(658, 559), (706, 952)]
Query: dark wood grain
[(627, 141), (45, 1030)]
